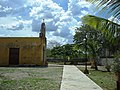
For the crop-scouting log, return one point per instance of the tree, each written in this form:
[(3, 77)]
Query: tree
[(56, 52), (63, 51), (67, 50), (53, 43), (111, 6), (108, 28), (93, 42), (110, 32), (48, 53)]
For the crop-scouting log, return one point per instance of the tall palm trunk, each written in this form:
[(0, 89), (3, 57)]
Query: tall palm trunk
[(94, 61), (94, 64), (107, 66)]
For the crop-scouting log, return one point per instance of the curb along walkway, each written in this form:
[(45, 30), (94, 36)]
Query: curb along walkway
[(74, 79)]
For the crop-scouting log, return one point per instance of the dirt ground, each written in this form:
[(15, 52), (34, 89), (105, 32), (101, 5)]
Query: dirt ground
[(30, 78)]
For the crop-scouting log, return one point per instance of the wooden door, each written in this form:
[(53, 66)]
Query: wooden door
[(13, 56)]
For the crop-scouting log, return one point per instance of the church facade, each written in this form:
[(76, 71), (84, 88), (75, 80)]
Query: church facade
[(24, 50)]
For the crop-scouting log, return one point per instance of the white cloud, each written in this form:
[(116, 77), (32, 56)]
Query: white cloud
[(25, 16), (84, 12), (26, 22), (79, 8), (11, 7), (15, 26), (112, 18), (13, 23)]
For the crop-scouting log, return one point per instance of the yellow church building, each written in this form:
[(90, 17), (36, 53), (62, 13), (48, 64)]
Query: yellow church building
[(24, 50)]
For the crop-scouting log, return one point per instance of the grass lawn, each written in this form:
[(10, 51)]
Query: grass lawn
[(30, 78), (106, 80)]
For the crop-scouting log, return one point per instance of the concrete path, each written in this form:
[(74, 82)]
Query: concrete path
[(74, 79)]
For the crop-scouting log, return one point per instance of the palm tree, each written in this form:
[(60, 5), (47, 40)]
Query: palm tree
[(110, 29), (113, 6), (93, 43), (110, 32)]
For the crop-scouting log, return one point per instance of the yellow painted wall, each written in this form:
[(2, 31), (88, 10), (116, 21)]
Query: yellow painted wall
[(30, 49)]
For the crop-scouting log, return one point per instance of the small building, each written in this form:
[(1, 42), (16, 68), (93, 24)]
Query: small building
[(23, 50)]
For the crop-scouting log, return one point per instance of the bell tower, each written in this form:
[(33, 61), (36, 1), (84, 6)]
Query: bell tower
[(42, 35), (43, 29)]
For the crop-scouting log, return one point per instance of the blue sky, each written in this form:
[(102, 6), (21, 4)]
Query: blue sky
[(22, 18)]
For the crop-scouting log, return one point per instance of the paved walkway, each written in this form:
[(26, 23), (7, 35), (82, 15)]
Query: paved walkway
[(74, 79)]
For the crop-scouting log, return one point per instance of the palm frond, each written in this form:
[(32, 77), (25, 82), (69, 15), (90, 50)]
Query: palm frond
[(113, 6), (108, 28)]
